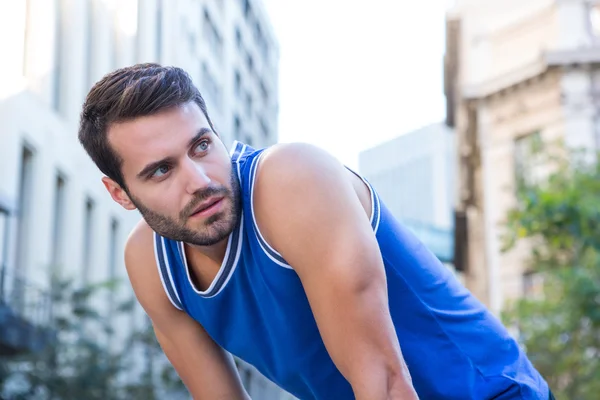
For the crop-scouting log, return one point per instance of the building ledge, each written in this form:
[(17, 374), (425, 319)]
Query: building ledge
[(505, 81), (582, 56), (547, 60)]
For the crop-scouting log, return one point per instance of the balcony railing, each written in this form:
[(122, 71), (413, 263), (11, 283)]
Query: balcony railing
[(25, 310), (25, 315)]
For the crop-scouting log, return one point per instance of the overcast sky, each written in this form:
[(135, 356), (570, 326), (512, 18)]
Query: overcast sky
[(355, 73)]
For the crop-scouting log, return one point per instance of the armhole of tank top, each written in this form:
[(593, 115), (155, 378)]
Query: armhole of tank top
[(164, 272), (266, 247), (375, 204)]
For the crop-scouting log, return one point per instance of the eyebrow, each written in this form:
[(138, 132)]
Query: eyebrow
[(151, 167)]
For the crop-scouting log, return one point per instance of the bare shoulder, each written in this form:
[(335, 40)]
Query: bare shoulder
[(139, 248), (296, 182), (142, 270), (299, 169), (295, 160)]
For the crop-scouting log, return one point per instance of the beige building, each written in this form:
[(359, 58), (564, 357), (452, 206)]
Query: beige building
[(54, 212), (517, 73)]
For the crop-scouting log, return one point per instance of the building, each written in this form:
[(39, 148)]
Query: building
[(55, 214), (517, 73), (414, 175)]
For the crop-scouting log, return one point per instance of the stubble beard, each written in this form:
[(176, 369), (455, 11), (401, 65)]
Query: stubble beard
[(214, 229)]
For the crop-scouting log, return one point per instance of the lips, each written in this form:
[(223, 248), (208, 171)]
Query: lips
[(205, 205)]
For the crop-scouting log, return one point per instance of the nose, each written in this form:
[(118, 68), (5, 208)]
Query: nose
[(195, 176)]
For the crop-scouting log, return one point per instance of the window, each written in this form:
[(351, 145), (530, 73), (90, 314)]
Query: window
[(261, 42), (258, 35), (212, 35), (238, 38), (249, 62), (249, 104), (264, 92), (192, 41), (264, 49), (264, 128), (4, 237), (238, 84), (237, 127), (24, 208), (4, 231), (113, 248), (88, 225), (528, 160), (533, 285), (211, 87), (113, 244), (57, 239), (247, 9)]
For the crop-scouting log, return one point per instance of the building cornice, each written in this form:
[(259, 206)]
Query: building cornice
[(575, 57), (530, 73), (507, 81)]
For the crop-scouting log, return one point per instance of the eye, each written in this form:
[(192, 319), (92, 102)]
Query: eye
[(201, 147), (161, 171)]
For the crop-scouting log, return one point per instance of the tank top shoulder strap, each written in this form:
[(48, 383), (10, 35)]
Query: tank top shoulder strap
[(273, 254), (164, 271)]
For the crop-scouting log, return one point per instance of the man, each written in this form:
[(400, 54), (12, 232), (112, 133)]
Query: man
[(284, 258)]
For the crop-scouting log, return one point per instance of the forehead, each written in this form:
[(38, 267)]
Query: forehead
[(153, 137)]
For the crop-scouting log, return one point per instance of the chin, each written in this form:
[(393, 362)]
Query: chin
[(215, 226)]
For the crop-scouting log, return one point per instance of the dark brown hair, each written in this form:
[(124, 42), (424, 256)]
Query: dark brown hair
[(125, 94)]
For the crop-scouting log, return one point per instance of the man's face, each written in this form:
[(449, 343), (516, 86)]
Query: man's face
[(178, 175)]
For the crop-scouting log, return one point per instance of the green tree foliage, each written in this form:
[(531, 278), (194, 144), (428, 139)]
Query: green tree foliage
[(560, 329), (82, 363)]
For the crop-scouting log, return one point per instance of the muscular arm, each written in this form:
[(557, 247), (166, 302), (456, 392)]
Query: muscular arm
[(207, 371), (308, 209)]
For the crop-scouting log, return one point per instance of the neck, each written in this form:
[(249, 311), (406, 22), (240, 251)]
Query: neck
[(204, 262), (215, 252)]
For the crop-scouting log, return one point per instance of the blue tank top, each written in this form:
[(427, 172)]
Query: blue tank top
[(257, 310)]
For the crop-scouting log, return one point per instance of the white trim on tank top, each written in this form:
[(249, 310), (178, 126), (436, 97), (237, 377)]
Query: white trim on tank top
[(184, 258), (217, 277), (160, 273), (273, 254)]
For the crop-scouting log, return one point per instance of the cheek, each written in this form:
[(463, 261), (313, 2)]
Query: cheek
[(220, 170), (163, 200)]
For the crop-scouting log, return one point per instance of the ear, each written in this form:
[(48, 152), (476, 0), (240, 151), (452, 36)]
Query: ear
[(118, 193)]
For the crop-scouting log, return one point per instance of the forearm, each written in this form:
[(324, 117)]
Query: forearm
[(361, 338), (370, 355), (380, 383)]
